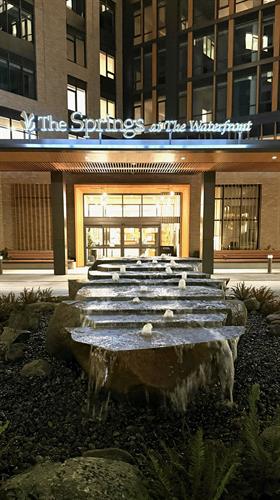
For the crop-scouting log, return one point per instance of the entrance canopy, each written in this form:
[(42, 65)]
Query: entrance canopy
[(176, 156)]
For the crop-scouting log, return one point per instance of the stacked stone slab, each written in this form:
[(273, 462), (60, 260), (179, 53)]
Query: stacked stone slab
[(102, 329)]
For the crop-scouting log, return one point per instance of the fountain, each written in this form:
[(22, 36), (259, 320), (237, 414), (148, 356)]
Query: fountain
[(168, 314), (168, 270), (147, 330), (169, 358), (182, 284)]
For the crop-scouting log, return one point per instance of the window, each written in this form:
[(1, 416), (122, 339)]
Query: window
[(221, 101), (13, 129), (267, 37), (241, 5), (161, 104), (246, 42), (137, 72), (137, 24), (107, 16), (107, 108), (137, 110), (161, 62), (147, 68), (76, 50), (107, 65), (203, 103), (203, 54), (203, 11), (148, 21), (77, 6), (161, 18), (17, 75), (244, 93), (148, 111), (223, 8), (76, 95), (266, 80), (16, 18), (183, 60), (236, 217), (222, 50), (182, 105), (183, 15)]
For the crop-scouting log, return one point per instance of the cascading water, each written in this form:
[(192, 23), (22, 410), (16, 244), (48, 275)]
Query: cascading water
[(115, 277)]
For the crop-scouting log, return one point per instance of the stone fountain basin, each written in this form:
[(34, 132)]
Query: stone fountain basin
[(113, 321), (150, 293), (151, 307), (145, 267), (100, 275), (172, 364), (121, 340), (124, 281)]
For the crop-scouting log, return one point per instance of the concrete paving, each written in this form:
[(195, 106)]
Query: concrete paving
[(15, 280)]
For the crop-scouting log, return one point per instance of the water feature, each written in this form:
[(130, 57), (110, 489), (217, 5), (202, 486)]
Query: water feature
[(161, 339), (147, 330), (182, 284), (168, 314)]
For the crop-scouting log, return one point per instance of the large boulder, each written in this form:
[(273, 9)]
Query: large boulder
[(77, 479), (111, 454), (28, 316), (237, 315), (59, 342)]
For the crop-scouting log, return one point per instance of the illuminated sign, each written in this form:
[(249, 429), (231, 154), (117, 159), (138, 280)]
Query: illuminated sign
[(129, 128)]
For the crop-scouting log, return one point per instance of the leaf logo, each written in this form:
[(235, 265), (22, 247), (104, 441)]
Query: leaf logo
[(28, 121)]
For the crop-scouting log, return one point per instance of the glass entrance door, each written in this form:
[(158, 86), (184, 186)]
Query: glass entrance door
[(121, 241), (141, 240), (102, 241)]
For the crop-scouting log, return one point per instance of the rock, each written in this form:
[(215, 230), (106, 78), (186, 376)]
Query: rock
[(59, 342), (77, 479), (110, 454), (274, 330), (36, 368), (252, 304), (237, 315), (10, 335), (74, 286), (271, 318), (15, 352), (28, 317)]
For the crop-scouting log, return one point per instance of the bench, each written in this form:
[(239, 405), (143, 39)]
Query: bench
[(30, 256), (245, 256)]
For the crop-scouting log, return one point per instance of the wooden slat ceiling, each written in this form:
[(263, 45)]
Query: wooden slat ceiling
[(136, 162)]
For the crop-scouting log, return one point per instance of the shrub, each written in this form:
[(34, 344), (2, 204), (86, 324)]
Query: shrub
[(241, 291), (264, 294), (7, 303), (202, 471), (261, 453), (31, 296)]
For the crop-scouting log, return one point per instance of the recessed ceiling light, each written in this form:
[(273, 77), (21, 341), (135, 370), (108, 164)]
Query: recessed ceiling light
[(274, 157), (183, 157)]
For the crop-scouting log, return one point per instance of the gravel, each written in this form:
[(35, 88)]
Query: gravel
[(49, 420)]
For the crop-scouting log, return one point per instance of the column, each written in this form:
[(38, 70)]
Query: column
[(59, 223), (208, 213)]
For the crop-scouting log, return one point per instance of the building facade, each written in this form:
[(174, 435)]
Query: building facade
[(157, 59)]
